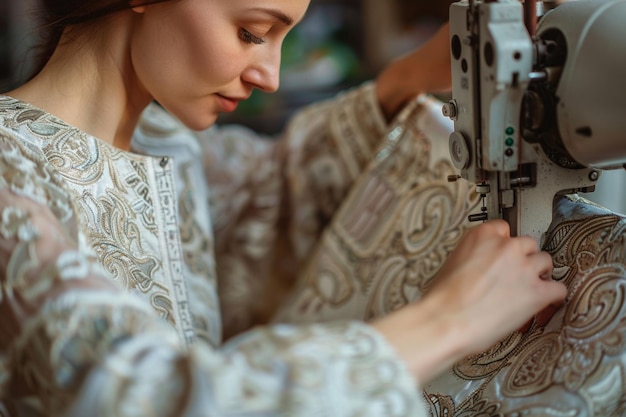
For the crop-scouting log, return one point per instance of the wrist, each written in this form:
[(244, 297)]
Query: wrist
[(427, 339)]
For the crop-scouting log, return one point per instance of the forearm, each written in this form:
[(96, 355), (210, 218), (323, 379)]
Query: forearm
[(425, 337), (390, 95), (426, 70)]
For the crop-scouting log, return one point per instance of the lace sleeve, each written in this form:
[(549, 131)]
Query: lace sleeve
[(78, 345), (309, 169), (272, 198)]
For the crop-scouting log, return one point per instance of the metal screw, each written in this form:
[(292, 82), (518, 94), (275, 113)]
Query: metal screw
[(450, 110), (594, 175)]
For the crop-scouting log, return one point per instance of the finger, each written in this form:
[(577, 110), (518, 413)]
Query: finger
[(545, 265), (528, 245), (553, 292), (499, 227)]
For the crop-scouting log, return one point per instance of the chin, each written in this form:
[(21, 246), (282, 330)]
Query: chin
[(198, 121), (195, 115)]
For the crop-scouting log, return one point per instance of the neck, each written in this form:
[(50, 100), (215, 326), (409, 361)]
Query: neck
[(92, 84)]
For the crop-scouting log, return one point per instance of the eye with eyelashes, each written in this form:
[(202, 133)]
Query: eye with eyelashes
[(248, 37)]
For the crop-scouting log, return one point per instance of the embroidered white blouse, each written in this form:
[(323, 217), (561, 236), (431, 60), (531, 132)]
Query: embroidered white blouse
[(123, 271), (139, 295)]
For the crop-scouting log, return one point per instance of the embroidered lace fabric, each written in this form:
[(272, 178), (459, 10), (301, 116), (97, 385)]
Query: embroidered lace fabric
[(573, 366), (119, 315), (269, 199), (390, 236), (134, 325)]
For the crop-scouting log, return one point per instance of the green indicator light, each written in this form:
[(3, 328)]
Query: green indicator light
[(509, 130), (509, 142)]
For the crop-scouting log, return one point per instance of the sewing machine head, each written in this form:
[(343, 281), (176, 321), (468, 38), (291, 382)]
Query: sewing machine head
[(537, 112)]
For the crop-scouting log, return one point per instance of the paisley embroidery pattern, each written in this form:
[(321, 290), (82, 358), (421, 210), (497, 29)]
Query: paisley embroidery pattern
[(271, 199), (593, 327), (90, 346), (393, 230), (119, 219), (390, 236)]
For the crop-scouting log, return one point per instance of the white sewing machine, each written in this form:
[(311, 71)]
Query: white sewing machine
[(537, 112)]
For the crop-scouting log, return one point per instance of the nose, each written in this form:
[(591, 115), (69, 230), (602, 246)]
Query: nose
[(264, 70)]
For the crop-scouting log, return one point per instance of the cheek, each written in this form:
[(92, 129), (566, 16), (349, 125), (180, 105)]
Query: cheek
[(185, 55), (210, 68), (211, 53)]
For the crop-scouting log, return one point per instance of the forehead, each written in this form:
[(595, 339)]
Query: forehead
[(285, 11)]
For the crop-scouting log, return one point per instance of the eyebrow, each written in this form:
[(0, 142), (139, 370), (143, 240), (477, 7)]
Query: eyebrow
[(277, 14)]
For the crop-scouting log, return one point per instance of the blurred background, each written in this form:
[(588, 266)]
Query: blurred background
[(338, 45)]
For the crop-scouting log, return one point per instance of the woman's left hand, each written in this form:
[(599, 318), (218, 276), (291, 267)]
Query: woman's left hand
[(425, 70)]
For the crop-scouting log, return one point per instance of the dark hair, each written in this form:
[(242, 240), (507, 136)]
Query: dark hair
[(56, 15)]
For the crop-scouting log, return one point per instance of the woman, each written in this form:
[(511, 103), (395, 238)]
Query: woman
[(105, 312)]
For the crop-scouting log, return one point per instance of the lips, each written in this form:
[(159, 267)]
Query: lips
[(227, 104)]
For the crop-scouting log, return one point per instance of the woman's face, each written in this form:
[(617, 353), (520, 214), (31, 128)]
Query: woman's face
[(199, 58)]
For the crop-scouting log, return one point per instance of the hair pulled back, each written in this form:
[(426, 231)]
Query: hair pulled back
[(57, 15)]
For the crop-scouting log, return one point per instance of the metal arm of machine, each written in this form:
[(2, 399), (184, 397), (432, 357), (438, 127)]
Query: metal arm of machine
[(538, 116)]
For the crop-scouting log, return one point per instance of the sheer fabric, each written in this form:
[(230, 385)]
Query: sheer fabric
[(109, 298)]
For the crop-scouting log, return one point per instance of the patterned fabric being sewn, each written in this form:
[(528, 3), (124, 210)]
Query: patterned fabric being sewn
[(392, 233)]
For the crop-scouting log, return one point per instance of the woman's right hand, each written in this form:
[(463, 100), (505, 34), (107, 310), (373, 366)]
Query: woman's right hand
[(489, 286)]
